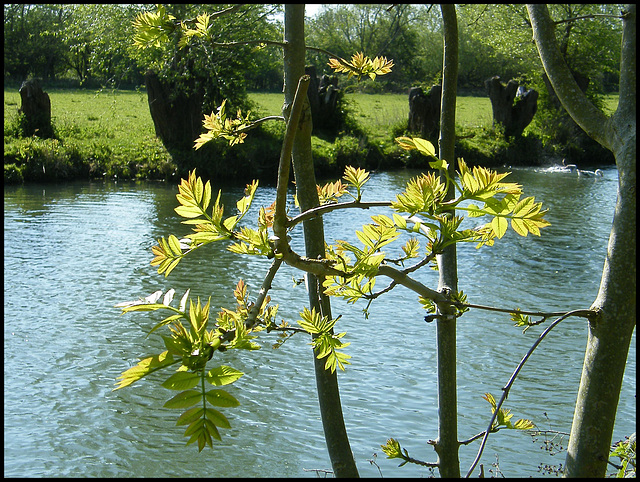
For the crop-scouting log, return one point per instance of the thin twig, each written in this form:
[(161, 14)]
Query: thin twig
[(507, 387), (327, 208), (262, 294), (588, 17), (581, 313)]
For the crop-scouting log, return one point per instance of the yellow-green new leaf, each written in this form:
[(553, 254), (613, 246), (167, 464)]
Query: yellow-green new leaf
[(223, 375), (182, 381), (144, 368), (425, 147), (500, 225), (523, 424)]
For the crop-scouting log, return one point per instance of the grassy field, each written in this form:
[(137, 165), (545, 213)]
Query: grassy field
[(110, 130), (377, 113), (96, 113), (109, 133)]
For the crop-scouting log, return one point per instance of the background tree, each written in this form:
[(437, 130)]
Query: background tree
[(98, 41), (34, 41), (190, 75), (372, 28), (610, 333)]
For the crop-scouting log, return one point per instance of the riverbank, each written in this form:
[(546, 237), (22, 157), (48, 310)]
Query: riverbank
[(109, 134)]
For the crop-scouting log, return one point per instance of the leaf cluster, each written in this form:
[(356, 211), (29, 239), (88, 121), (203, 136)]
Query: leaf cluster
[(489, 196), (394, 451), (152, 29), (193, 345), (209, 226), (625, 450), (503, 419), (361, 66), (219, 126), (325, 343)]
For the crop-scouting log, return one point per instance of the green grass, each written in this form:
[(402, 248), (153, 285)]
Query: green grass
[(95, 113), (98, 133), (109, 133), (376, 113)]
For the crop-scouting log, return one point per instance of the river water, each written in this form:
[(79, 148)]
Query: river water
[(72, 251)]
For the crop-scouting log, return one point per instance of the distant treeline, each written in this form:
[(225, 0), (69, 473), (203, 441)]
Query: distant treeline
[(91, 44)]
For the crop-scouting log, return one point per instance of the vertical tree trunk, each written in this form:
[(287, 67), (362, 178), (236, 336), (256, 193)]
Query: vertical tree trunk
[(327, 383), (447, 445), (611, 330)]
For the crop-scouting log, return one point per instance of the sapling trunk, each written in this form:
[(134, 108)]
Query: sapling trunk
[(447, 443), (327, 382)]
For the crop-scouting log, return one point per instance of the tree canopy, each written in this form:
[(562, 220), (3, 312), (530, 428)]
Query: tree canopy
[(93, 43)]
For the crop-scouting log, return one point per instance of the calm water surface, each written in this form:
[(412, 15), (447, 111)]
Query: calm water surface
[(72, 251)]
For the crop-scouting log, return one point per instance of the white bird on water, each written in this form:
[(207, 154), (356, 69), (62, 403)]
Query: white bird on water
[(580, 172)]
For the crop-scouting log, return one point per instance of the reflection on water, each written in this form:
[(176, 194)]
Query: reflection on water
[(74, 250)]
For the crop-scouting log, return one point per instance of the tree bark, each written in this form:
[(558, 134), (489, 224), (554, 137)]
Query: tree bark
[(514, 117), (611, 330), (323, 98), (177, 122), (424, 112), (36, 107), (447, 445), (335, 432)]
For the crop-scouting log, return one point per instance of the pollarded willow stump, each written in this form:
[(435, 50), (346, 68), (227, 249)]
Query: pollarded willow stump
[(177, 119), (323, 98), (36, 107), (513, 106), (424, 112)]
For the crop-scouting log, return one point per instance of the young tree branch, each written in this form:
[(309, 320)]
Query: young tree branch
[(507, 387)]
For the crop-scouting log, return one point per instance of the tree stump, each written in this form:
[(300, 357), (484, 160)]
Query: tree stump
[(513, 106), (177, 120), (36, 107), (323, 98), (424, 112)]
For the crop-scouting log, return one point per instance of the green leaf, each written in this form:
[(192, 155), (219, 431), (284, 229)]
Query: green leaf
[(174, 244), (144, 368), (190, 415), (223, 375), (184, 399), (221, 398), (425, 147), (213, 430), (499, 226), (188, 211), (182, 381), (217, 418)]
